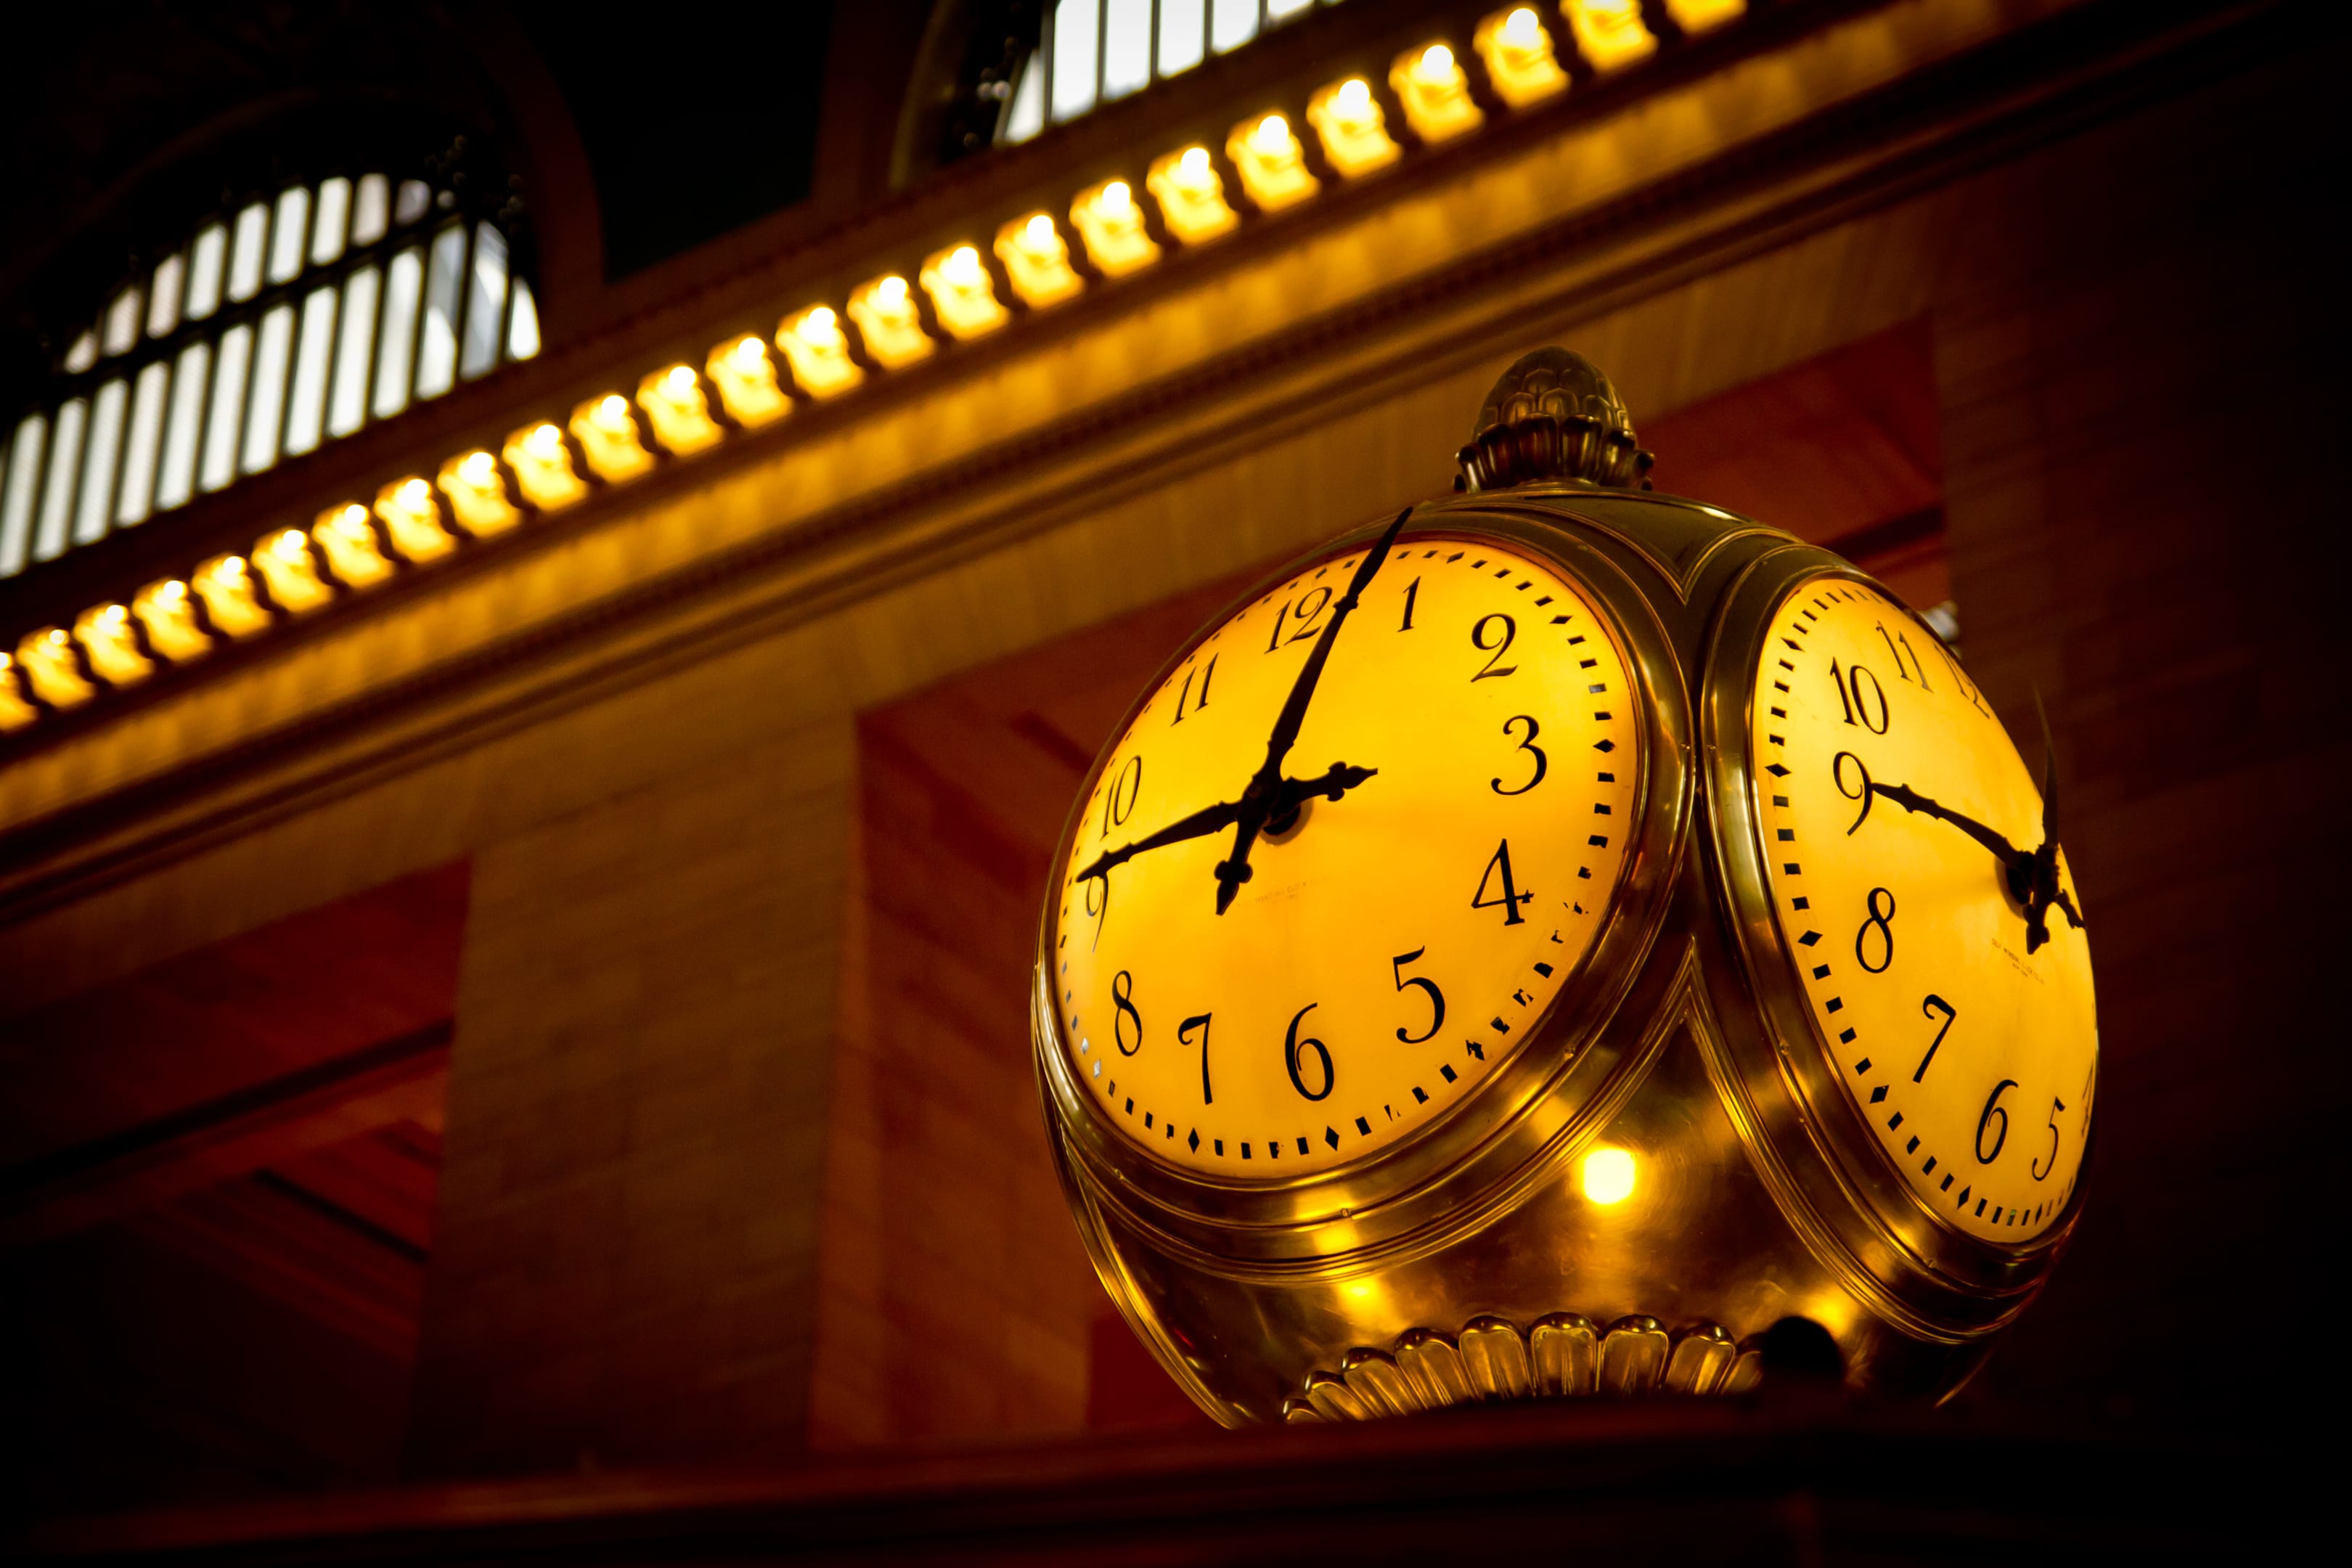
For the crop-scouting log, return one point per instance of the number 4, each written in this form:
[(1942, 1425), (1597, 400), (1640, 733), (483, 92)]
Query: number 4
[(1512, 898)]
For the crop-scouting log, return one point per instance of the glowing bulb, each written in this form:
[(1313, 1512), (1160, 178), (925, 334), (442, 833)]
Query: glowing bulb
[(749, 353), (962, 265), (1353, 97), (891, 292), (614, 410), (1608, 1175), (57, 636), (231, 566), (680, 382), (479, 469), (288, 545), (1194, 163), (1272, 134), (1520, 29), (1039, 233), (176, 590), (1437, 62), (417, 493), (544, 443), (821, 325), (1118, 200), (114, 614)]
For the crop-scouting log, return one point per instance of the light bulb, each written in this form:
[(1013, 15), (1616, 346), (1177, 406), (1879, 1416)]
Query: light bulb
[(288, 545), (477, 468), (1118, 200), (1272, 134), (749, 353), (1436, 63), (544, 443), (891, 292), (614, 410), (174, 590), (1609, 1176), (680, 382), (233, 566), (821, 325), (1039, 233), (1195, 166), (1353, 97), (417, 492), (1520, 29), (114, 614)]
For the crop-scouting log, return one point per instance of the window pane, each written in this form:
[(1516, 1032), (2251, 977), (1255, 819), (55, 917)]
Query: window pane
[(334, 214), (177, 481), (1232, 23), (82, 354), (307, 409), (404, 281), (1027, 115), (286, 236), (370, 209), (205, 264), (436, 346), (486, 302), (348, 407), (522, 324), (16, 498), (97, 496), (1127, 47), (143, 443), (163, 298), (56, 496), (1183, 34), (269, 368), (1074, 34), (1283, 10), (245, 260), (227, 406), (122, 324), (415, 200)]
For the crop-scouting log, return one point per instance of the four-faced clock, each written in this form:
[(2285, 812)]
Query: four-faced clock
[(1925, 906), (1345, 854)]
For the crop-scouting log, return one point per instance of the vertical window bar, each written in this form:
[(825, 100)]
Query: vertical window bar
[(16, 499), (272, 363), (486, 303), (403, 287), (94, 498), (227, 406), (207, 264), (175, 479), (333, 220), (347, 407), (57, 495), (307, 408), (245, 258), (144, 443), (437, 349)]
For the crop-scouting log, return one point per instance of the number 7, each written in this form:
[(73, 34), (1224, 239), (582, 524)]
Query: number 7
[(1931, 1006), (1184, 1037)]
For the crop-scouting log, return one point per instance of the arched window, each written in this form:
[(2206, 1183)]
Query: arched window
[(1093, 51), (285, 320)]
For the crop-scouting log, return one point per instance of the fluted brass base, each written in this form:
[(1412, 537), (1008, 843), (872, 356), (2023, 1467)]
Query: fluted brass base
[(1562, 1354)]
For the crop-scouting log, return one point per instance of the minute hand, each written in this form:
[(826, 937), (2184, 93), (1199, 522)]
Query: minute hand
[(1910, 799), (1258, 799)]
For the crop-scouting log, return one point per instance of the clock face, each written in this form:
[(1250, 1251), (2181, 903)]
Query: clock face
[(1889, 798), (1391, 947)]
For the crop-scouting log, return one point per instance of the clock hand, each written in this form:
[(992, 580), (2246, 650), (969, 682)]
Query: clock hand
[(2032, 875), (2041, 891), (1258, 799), (1910, 799), (1288, 796)]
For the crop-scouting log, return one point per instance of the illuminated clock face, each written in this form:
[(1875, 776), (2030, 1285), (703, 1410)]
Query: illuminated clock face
[(1429, 863), (1942, 956)]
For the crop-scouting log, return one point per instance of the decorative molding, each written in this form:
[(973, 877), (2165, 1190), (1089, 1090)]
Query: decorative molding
[(1561, 1355)]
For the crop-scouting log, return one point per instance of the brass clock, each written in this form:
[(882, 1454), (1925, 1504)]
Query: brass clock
[(1536, 943)]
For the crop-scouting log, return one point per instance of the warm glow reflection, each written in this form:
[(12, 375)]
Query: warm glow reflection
[(1609, 33), (1037, 261), (1519, 58), (818, 352), (1191, 196), (1699, 15), (963, 294), (478, 496), (677, 410), (1270, 161), (1111, 226), (1434, 92), (1354, 132), (1608, 1176), (608, 434), (347, 538), (889, 324)]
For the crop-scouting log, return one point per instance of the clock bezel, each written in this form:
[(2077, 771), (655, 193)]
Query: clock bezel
[(1790, 1098), (1562, 1084)]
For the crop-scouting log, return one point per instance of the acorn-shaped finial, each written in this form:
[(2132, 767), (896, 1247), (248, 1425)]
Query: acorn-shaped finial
[(1553, 417)]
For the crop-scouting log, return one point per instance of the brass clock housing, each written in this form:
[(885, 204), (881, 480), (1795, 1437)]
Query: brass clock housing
[(1487, 1254)]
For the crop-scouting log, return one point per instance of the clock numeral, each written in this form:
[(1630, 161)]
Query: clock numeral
[(1968, 688), (1436, 997), (1861, 792), (1898, 646), (1101, 914), (1877, 920), (1529, 746), (1119, 801), (1931, 1007), (1207, 673), (1855, 702), (1992, 1109), (1412, 592), (1510, 629), (1512, 898), (1125, 1014), (2040, 1175), (1306, 610), (1292, 1045), (1184, 1037)]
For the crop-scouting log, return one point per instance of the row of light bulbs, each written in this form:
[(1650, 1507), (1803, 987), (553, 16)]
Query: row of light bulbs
[(350, 548)]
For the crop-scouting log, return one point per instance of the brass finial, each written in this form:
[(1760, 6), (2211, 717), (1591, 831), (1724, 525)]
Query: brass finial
[(1553, 417)]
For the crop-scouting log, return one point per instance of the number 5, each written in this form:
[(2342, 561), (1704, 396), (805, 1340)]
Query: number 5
[(2056, 1105), (1436, 997)]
